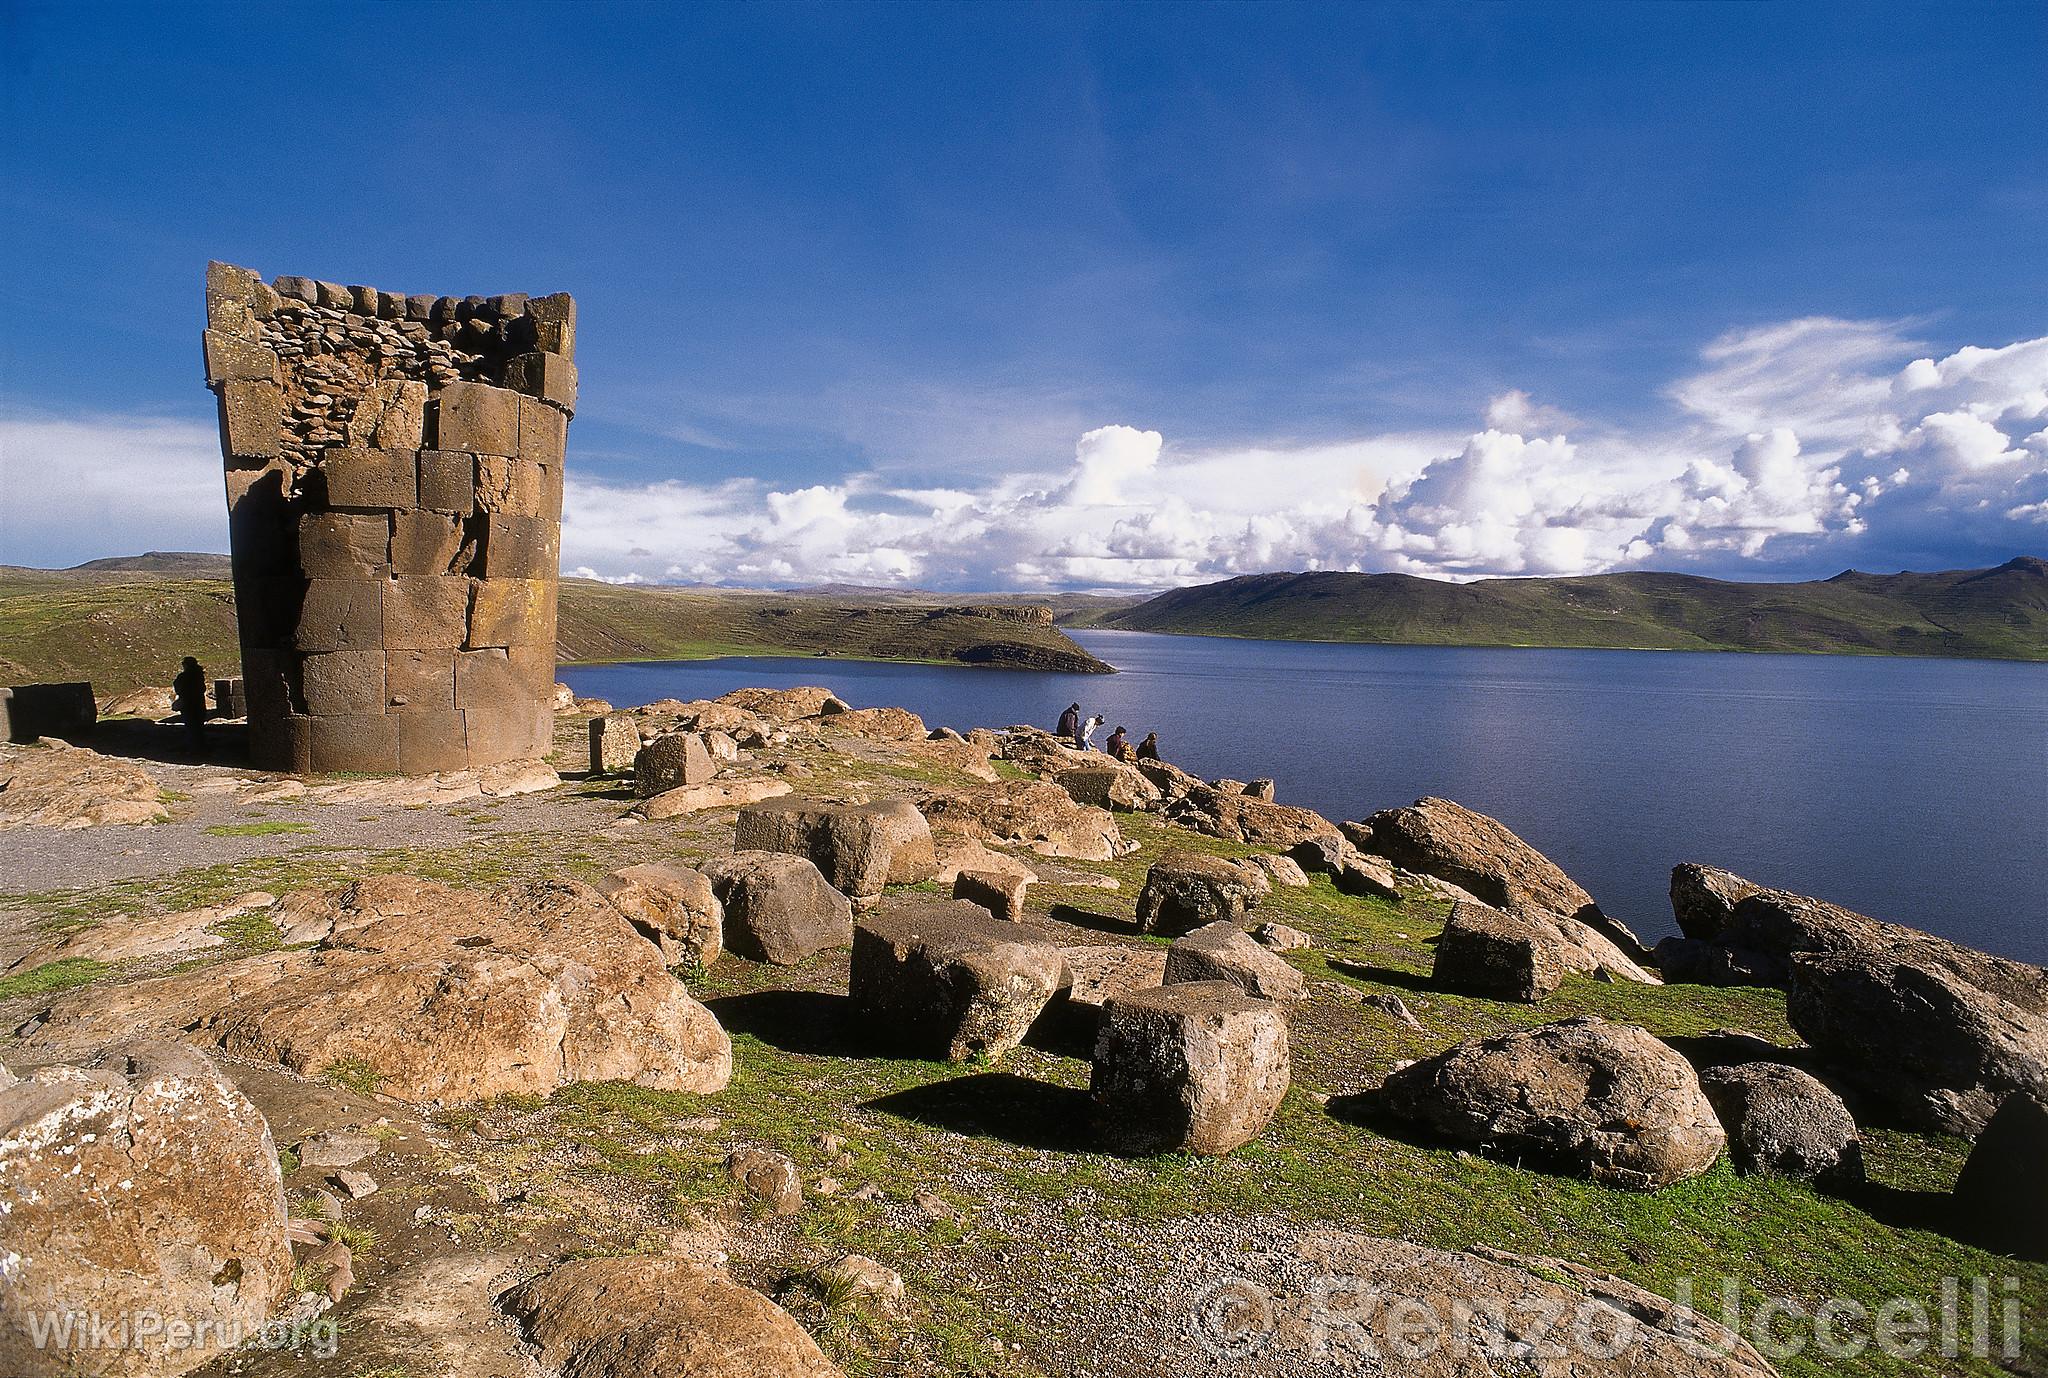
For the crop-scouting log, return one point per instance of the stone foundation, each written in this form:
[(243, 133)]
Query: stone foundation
[(394, 486)]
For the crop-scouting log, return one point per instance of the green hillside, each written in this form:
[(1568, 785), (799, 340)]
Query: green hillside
[(1997, 613)]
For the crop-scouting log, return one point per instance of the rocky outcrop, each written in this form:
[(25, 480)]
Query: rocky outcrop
[(642, 1316), (1583, 1097), (673, 907), (1188, 890), (1198, 1067), (2001, 1195), (941, 979), (783, 705), (1241, 818), (1484, 951), (1350, 870), (778, 908), (435, 994), (1780, 1120), (57, 786), (1030, 813), (1222, 952), (139, 1182), (877, 724), (1435, 837), (1696, 962), (1703, 898), (859, 848)]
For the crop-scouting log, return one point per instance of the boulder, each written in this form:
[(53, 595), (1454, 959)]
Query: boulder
[(1484, 951), (1696, 962), (1436, 837), (1703, 898), (2001, 1195), (778, 908), (1105, 783), (1102, 971), (140, 1181), (1921, 1042), (1281, 938), (673, 907), (858, 847), (57, 786), (1222, 952), (1187, 890), (943, 980), (878, 724), (652, 1315), (772, 1177), (1170, 780), (434, 994), (999, 892), (614, 743), (671, 762), (1031, 813), (1198, 1067), (1350, 870), (1779, 1120), (1583, 1097), (1283, 871), (1240, 818)]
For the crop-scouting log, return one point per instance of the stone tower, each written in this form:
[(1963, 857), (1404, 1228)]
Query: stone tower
[(394, 486)]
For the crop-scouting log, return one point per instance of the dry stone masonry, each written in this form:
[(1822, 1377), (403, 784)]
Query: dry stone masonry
[(394, 486)]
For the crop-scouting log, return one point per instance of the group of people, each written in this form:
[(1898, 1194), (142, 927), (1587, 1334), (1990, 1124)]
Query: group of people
[(1072, 728)]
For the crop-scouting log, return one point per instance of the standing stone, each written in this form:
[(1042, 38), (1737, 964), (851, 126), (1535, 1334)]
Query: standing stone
[(671, 762), (1198, 1067), (614, 743), (778, 908), (999, 892), (1222, 952), (943, 980)]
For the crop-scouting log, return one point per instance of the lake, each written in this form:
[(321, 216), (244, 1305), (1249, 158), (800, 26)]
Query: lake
[(1912, 790)]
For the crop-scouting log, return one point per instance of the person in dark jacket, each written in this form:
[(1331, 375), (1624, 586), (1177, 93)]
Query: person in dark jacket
[(1148, 750), (1070, 723), (188, 691), (1117, 744)]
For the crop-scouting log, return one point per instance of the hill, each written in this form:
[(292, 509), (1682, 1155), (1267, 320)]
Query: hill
[(126, 632), (1997, 613)]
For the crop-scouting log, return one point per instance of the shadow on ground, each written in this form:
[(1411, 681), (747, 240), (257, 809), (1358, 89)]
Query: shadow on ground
[(172, 743), (999, 1105), (1122, 926), (795, 1021)]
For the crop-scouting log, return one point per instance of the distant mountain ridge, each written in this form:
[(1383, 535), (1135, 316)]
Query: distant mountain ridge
[(1999, 613)]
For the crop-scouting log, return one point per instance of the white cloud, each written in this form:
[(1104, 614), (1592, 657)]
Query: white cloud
[(108, 485)]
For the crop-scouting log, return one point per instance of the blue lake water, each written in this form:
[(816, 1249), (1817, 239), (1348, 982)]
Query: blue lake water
[(1913, 790)]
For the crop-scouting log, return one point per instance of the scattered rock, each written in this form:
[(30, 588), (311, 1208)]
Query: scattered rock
[(859, 848), (59, 786), (141, 1181), (1350, 870), (1780, 1120), (1281, 870), (614, 743), (1583, 1097), (673, 907), (878, 724), (934, 1207), (1030, 812), (2001, 1195), (1484, 951), (337, 1148), (999, 892), (1222, 952), (865, 1276), (1188, 890), (944, 980), (1281, 938), (1241, 818), (783, 705), (1394, 1008), (1198, 1067), (770, 1176), (718, 794), (356, 1184), (1100, 972), (778, 908)]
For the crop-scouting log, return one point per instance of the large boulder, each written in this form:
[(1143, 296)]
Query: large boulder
[(1782, 1121), (942, 979), (878, 724), (1697, 962), (1485, 951), (1188, 890), (139, 1182), (672, 906), (1703, 898), (1583, 1097), (434, 994), (1197, 1067), (1103, 782), (672, 762), (57, 786), (858, 847), (1222, 952), (1239, 817), (1031, 813), (648, 1315), (1435, 837), (1350, 870), (778, 908), (1915, 1037), (2001, 1195)]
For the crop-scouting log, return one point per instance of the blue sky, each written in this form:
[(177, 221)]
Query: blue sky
[(1036, 296)]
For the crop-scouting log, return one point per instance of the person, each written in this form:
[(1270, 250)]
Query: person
[(1070, 722), (1086, 731), (188, 691), (1148, 750), (1116, 744)]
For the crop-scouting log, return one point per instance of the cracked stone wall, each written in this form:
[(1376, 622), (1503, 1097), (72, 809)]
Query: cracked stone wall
[(394, 487)]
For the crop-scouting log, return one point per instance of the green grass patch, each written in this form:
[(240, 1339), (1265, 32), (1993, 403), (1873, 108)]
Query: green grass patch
[(352, 1074), (66, 973), (269, 827)]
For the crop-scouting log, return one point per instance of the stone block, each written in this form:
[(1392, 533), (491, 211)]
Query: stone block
[(483, 678), (548, 377), (543, 432), (1198, 1067), (534, 666), (554, 323), (261, 531), (511, 487), (230, 700), (251, 419), (283, 741), (419, 306), (1222, 952), (225, 282), (671, 906), (65, 710), (859, 847), (448, 481), (476, 418), (365, 301), (419, 680), (517, 547), (1484, 951), (233, 357), (431, 740), (334, 296), (267, 609), (778, 908), (424, 542), (341, 615), (673, 761), (402, 422), (508, 612), (425, 612), (343, 545), (268, 682), (359, 743), (343, 683), (298, 289), (614, 741), (1001, 893), (508, 732), (370, 478), (941, 979)]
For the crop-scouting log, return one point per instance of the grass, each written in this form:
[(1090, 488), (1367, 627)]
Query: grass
[(352, 1074), (269, 827), (66, 973)]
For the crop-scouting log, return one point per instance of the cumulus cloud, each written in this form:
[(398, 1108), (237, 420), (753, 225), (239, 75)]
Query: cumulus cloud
[(72, 488)]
